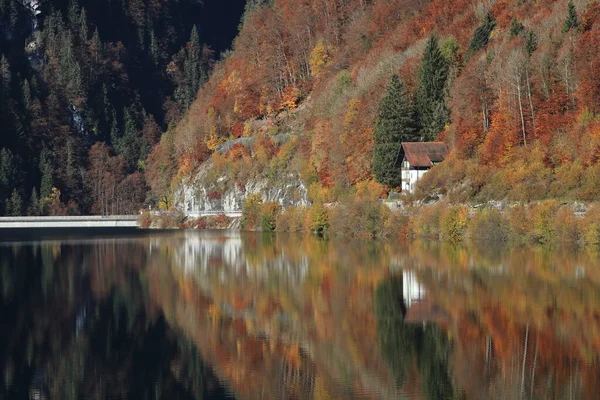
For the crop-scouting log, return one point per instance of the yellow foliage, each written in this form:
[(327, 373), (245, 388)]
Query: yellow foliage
[(453, 223), (320, 57), (214, 141), (290, 98), (233, 83), (351, 115)]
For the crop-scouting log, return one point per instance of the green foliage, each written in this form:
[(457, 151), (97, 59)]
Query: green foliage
[(531, 42), (194, 72), (481, 36), (46, 183), (33, 208), (572, 20), (8, 172), (453, 223), (430, 97), (488, 226), (516, 27), (14, 205), (395, 124), (361, 218), (268, 216), (5, 78), (250, 211), (128, 145), (318, 219)]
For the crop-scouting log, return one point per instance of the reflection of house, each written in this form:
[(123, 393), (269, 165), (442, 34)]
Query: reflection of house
[(426, 311), (419, 307), (416, 158), (412, 290)]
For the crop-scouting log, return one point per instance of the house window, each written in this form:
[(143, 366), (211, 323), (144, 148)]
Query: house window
[(405, 164)]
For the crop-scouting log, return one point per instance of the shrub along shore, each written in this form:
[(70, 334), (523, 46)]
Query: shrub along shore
[(543, 222)]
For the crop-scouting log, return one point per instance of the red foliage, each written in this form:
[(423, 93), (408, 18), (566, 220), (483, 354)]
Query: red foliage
[(502, 137), (237, 152)]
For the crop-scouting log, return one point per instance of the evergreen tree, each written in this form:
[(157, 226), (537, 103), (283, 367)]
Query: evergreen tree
[(395, 124), (4, 78), (516, 27), (83, 27), (34, 203), (26, 93), (46, 173), (7, 172), (433, 114), (127, 145), (115, 133), (96, 47), (531, 42), (481, 36), (193, 71), (154, 48), (74, 14), (14, 205), (572, 20)]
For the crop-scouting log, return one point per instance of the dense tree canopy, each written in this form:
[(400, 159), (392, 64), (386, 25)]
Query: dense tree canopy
[(394, 125)]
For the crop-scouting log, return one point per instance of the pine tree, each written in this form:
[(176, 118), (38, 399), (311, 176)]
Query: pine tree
[(193, 71), (83, 27), (481, 36), (46, 173), (4, 78), (96, 47), (34, 203), (154, 48), (531, 42), (7, 172), (74, 14), (430, 98), (572, 20), (516, 27), (26, 93), (14, 205), (395, 124), (127, 145)]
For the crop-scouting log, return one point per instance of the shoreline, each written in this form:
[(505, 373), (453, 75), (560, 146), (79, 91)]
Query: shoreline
[(545, 222)]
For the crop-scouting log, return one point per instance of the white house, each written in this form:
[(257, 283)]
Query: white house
[(416, 158)]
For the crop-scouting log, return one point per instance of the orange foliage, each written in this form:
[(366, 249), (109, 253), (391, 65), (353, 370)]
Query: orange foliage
[(502, 137)]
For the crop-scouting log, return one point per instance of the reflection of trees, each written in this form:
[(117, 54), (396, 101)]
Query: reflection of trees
[(65, 344), (403, 345), (397, 339)]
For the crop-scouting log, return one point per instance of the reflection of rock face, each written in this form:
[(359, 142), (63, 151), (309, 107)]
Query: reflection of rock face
[(223, 255)]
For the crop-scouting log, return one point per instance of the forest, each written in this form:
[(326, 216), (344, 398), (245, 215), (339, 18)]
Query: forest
[(87, 88), (106, 116)]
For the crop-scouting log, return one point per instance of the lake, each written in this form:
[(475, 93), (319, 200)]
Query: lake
[(223, 314)]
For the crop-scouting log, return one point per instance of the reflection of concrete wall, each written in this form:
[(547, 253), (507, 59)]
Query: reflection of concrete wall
[(412, 290)]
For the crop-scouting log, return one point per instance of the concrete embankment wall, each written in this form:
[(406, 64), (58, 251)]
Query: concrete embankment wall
[(120, 221)]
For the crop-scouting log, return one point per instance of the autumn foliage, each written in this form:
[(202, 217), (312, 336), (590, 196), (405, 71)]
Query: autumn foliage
[(523, 103)]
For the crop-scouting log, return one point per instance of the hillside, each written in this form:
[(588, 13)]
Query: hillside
[(74, 73), (519, 108)]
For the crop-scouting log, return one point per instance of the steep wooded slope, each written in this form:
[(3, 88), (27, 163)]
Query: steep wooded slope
[(77, 72), (522, 91)]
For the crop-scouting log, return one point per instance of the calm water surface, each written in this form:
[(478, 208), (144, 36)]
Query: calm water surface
[(215, 315)]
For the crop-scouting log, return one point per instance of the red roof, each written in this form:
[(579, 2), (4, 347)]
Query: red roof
[(424, 154)]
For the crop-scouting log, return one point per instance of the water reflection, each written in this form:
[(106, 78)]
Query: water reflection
[(211, 314)]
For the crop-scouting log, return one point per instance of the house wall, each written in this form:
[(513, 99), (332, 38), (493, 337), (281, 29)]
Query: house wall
[(410, 178)]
